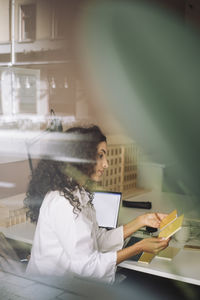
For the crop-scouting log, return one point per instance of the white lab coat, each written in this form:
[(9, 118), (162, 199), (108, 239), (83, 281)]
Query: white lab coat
[(68, 243)]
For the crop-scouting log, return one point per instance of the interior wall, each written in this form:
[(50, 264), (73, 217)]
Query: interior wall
[(15, 173)]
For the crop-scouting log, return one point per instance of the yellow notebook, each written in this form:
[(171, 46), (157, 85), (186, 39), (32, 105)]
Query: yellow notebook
[(168, 253), (169, 226), (146, 258), (168, 219), (172, 228)]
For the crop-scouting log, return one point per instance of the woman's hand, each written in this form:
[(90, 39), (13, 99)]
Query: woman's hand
[(151, 219), (153, 245), (150, 245)]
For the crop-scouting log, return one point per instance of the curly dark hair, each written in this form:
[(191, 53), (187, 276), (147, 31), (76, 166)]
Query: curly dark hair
[(80, 152)]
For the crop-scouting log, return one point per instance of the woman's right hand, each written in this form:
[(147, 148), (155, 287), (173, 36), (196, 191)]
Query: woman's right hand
[(153, 245)]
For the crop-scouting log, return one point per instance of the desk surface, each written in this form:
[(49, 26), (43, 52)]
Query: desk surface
[(183, 267), (23, 232), (162, 202)]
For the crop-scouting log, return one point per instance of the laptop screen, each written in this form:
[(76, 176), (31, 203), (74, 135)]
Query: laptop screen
[(107, 206)]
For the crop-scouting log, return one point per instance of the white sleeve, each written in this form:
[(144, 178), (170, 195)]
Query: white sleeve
[(110, 240), (75, 234)]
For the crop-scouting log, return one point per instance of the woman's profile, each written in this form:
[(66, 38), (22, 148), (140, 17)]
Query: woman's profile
[(59, 199)]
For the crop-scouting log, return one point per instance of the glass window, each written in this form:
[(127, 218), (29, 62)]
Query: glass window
[(27, 22), (58, 19)]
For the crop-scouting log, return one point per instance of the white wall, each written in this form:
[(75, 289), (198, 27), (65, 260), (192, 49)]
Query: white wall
[(150, 176), (14, 178), (4, 21)]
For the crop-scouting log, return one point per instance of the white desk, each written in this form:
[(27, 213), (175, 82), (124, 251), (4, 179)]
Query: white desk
[(23, 232), (184, 267), (165, 203)]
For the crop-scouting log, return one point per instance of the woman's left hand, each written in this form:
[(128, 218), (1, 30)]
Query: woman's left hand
[(152, 219)]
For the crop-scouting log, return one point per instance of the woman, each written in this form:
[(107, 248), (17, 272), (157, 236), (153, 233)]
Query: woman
[(59, 198)]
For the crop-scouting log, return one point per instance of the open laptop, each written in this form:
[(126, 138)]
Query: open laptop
[(107, 206)]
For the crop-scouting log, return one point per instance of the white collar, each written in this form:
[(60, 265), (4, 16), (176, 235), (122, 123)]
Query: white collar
[(82, 195)]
